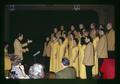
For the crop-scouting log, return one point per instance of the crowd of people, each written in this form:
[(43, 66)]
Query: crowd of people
[(77, 53), (85, 48)]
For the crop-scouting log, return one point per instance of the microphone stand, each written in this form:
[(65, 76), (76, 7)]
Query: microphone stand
[(35, 59)]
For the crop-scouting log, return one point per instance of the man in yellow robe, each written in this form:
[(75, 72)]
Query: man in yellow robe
[(101, 49), (61, 52), (110, 40), (19, 47)]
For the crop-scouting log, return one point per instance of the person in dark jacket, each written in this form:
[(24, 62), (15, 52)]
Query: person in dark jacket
[(67, 72)]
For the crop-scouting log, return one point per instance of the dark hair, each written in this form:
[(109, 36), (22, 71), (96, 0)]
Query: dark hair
[(19, 34), (62, 38), (17, 61), (94, 24), (76, 40), (6, 43), (91, 40), (82, 40), (72, 34), (65, 61), (54, 35), (102, 30)]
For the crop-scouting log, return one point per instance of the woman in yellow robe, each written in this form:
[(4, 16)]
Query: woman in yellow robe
[(70, 44), (94, 35), (95, 67), (66, 45), (46, 51), (53, 56), (61, 52), (7, 61), (74, 56), (82, 68)]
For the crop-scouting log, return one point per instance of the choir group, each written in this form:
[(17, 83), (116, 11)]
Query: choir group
[(84, 47)]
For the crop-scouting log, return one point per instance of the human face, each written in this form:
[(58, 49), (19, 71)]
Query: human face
[(74, 42), (47, 39), (81, 26), (86, 33), (87, 40), (109, 26), (100, 32), (20, 38), (55, 30), (72, 27), (92, 26), (101, 27), (62, 28)]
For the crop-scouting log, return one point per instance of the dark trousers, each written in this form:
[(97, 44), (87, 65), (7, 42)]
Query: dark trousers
[(100, 62), (89, 72), (111, 54), (46, 63)]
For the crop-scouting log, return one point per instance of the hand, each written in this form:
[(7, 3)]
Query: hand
[(27, 49), (22, 67), (29, 41)]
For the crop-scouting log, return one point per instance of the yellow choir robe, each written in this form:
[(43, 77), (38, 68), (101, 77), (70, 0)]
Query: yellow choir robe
[(70, 50), (53, 57), (95, 67), (74, 59), (7, 61), (61, 53), (46, 51), (66, 48), (82, 68), (18, 48)]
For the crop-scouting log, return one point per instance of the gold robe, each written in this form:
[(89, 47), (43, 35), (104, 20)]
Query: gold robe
[(95, 67), (82, 68), (102, 47), (74, 59), (46, 51), (18, 49), (7, 61), (70, 50), (61, 53), (111, 40), (53, 57), (66, 48)]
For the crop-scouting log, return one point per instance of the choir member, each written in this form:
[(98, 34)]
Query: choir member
[(95, 38), (19, 46), (7, 61), (75, 56), (82, 68), (88, 59), (101, 49), (46, 51), (53, 54), (110, 40), (61, 52), (46, 54)]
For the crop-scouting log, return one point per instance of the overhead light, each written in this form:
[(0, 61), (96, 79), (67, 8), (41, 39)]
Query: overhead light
[(76, 7)]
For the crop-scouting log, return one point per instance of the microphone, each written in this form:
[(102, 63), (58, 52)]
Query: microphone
[(38, 52)]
